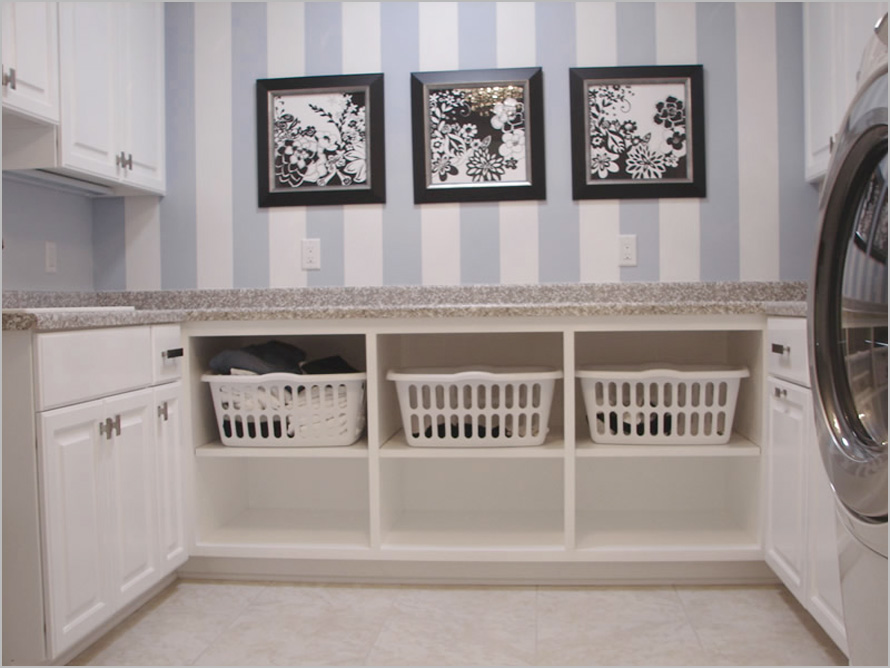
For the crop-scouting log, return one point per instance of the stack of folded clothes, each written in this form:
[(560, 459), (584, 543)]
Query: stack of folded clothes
[(275, 357)]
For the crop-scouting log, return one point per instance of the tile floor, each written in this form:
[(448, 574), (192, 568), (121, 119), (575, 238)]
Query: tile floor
[(230, 623)]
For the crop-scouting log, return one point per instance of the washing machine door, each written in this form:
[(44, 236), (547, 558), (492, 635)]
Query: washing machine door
[(848, 309)]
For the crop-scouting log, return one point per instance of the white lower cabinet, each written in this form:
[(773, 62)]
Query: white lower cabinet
[(109, 475), (790, 432), (800, 540), (99, 498), (169, 458)]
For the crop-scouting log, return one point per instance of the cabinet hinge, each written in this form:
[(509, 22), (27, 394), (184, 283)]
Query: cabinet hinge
[(162, 411)]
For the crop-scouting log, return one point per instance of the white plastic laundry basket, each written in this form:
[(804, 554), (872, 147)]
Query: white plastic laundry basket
[(475, 407), (285, 409), (652, 404)]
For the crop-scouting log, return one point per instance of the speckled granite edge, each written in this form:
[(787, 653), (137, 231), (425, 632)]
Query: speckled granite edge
[(550, 300)]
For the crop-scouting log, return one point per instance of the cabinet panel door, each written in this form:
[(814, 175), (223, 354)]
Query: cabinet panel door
[(31, 47), (88, 59), (75, 462), (790, 418), (824, 579), (168, 399), (133, 494), (141, 96)]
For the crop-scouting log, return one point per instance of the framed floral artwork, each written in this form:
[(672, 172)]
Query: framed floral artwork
[(637, 132), (478, 135), (320, 140)]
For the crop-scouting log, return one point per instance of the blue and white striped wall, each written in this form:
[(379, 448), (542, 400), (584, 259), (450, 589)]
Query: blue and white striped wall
[(758, 222)]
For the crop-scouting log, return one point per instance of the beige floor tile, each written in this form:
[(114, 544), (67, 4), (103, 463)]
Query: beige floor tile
[(175, 627), (616, 626), (758, 626), (304, 625), (448, 626)]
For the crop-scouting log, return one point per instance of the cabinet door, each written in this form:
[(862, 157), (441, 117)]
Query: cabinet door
[(89, 59), (790, 431), (141, 99), (835, 35), (75, 466), (31, 50), (168, 400), (823, 579), (133, 494)]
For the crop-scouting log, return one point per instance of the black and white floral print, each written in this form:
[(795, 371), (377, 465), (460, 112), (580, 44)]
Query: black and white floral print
[(475, 140), (637, 132), (319, 140)]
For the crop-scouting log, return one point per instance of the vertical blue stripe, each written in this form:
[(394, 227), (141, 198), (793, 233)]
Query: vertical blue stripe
[(558, 226), (716, 43), (250, 225), (480, 245), (400, 55), (109, 244), (179, 228), (798, 200), (637, 46), (324, 55)]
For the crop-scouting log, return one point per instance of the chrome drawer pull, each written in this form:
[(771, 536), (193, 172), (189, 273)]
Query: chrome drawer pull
[(779, 349), (170, 354)]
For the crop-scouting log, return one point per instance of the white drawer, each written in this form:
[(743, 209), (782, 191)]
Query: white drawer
[(166, 353), (786, 348), (87, 364)]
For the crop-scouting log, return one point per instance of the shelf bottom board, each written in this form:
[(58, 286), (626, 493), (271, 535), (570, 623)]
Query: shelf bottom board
[(635, 530), (290, 527), (476, 531)]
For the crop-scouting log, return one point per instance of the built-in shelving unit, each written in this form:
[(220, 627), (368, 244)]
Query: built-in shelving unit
[(567, 500)]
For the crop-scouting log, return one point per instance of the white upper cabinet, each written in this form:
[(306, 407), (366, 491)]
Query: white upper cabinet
[(835, 35), (31, 60), (112, 92)]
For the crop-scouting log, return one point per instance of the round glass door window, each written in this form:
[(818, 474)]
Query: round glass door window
[(863, 317)]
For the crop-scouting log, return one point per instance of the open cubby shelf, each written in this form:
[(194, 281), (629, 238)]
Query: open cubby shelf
[(568, 499)]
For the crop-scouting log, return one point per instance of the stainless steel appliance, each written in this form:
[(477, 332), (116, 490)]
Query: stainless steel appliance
[(848, 352)]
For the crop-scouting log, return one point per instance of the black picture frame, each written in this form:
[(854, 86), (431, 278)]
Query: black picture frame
[(478, 135), (320, 140), (637, 132)]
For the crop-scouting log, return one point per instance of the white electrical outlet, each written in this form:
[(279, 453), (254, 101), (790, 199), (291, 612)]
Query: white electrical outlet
[(627, 250), (311, 254), (52, 257)]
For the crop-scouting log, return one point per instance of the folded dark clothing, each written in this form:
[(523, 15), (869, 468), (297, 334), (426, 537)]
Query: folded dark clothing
[(333, 364), (269, 357)]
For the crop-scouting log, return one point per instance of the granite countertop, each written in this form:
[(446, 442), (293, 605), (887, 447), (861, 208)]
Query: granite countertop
[(75, 310)]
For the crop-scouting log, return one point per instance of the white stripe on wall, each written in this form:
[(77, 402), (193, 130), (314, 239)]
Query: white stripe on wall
[(287, 225), (142, 238), (362, 225), (600, 224), (518, 221), (596, 39), (213, 119), (679, 220), (758, 127), (440, 223)]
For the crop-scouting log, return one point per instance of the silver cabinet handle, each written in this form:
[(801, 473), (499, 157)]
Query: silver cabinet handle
[(779, 349), (9, 78), (781, 393), (110, 427), (162, 411), (124, 161), (172, 353)]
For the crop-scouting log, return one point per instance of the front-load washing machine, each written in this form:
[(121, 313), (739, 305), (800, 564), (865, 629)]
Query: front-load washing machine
[(847, 328)]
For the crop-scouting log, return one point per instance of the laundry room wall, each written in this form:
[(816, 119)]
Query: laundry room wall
[(758, 221)]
